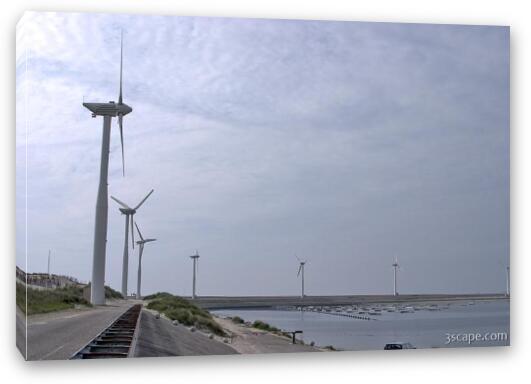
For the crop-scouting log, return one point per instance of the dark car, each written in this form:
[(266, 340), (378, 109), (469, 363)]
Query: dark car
[(395, 346)]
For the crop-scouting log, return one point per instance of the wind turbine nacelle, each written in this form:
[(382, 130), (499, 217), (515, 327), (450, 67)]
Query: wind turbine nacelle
[(127, 211), (108, 109)]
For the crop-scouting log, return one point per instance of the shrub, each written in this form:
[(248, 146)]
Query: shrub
[(186, 313), (259, 324), (237, 320), (112, 294)]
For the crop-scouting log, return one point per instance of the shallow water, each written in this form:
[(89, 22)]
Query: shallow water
[(424, 328)]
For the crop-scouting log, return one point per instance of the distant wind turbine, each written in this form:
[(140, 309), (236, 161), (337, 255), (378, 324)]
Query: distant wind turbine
[(195, 259), (396, 266), (108, 111), (49, 254), (301, 273), (129, 216), (141, 244), (508, 281)]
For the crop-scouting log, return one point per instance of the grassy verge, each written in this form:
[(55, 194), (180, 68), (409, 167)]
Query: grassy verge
[(237, 320), (57, 299), (177, 308), (112, 294), (258, 324), (49, 300)]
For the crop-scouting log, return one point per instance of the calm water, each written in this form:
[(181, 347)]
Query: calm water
[(426, 325)]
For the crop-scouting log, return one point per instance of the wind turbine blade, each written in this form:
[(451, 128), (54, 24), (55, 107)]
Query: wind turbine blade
[(120, 124), (132, 230), (121, 202), (144, 199), (299, 272), (121, 64), (139, 233)]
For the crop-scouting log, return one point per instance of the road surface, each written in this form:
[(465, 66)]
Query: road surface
[(58, 335), (21, 331)]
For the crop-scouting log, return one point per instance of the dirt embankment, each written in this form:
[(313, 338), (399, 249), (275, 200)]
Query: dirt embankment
[(250, 340)]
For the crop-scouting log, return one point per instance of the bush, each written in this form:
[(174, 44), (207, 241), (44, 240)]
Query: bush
[(237, 320), (258, 324), (112, 294), (186, 313)]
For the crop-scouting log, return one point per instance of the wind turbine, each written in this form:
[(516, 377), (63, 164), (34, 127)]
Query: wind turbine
[(301, 273), (129, 215), (195, 259), (49, 253), (396, 266), (108, 111), (508, 281), (140, 243)]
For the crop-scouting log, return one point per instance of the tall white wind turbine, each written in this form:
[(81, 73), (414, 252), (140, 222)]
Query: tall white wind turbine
[(140, 243), (508, 281), (129, 217), (301, 273), (49, 255), (396, 266), (108, 111), (195, 259)]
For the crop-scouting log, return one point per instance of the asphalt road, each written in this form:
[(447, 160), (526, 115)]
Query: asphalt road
[(21, 331), (159, 337), (58, 335)]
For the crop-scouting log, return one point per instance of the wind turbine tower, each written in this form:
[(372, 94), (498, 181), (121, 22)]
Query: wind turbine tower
[(129, 217), (141, 244), (396, 266), (49, 253), (107, 111), (508, 281), (301, 273), (195, 259)]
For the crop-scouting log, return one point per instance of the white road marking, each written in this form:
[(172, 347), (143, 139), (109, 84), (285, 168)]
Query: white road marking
[(52, 352)]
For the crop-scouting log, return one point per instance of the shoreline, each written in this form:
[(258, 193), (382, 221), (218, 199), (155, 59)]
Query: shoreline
[(248, 340)]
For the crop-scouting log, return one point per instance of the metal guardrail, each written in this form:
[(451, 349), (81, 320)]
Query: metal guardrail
[(116, 341)]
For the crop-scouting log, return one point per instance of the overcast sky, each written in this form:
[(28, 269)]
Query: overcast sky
[(345, 143)]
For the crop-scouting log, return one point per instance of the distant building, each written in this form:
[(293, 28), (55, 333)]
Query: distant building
[(44, 280)]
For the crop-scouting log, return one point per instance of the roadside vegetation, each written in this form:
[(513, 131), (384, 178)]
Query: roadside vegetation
[(56, 299), (112, 294), (258, 324), (237, 320), (186, 313), (49, 300)]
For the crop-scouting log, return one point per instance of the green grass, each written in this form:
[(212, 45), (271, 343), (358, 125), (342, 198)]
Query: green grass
[(237, 320), (49, 300), (57, 299), (112, 294), (258, 324), (177, 308)]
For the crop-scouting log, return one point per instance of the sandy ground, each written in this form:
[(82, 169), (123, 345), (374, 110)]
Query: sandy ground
[(250, 340)]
